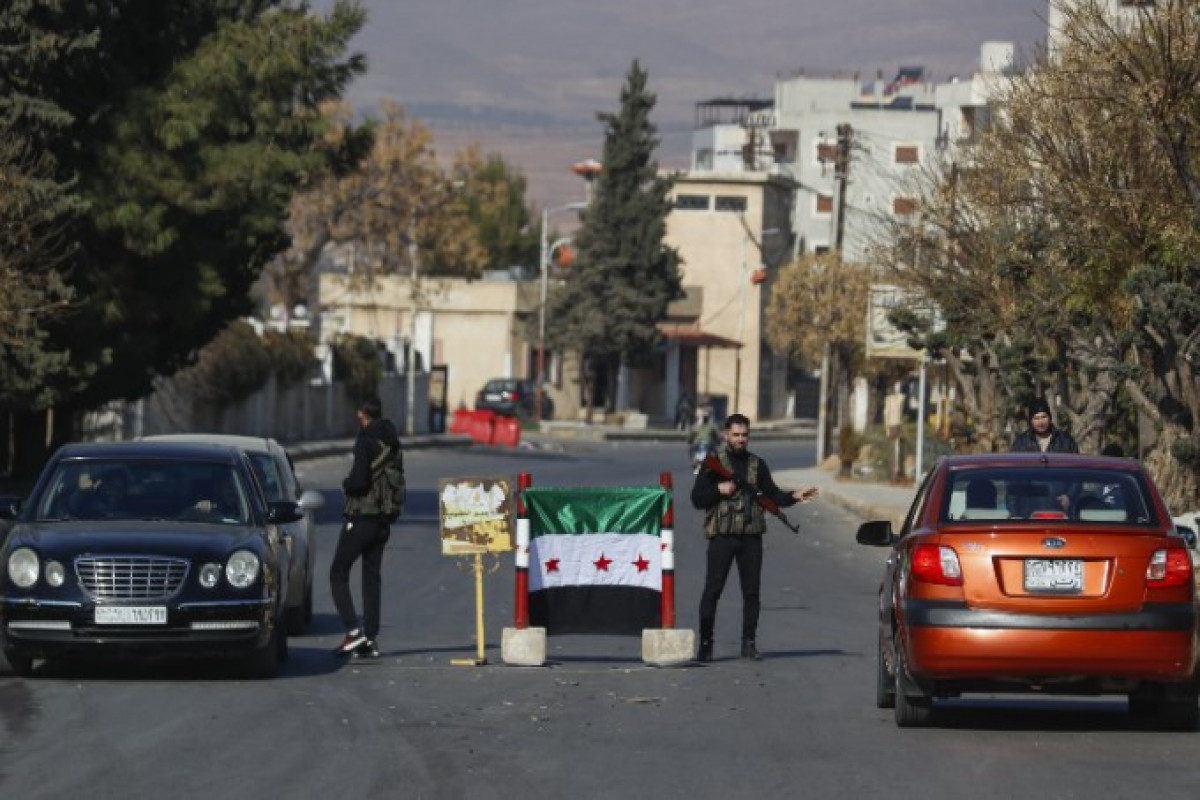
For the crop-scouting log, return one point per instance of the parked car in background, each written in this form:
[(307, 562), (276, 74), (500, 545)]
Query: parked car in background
[(277, 474), (146, 548), (512, 397), (1056, 574)]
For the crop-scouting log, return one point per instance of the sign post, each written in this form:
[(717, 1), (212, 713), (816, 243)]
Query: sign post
[(476, 516)]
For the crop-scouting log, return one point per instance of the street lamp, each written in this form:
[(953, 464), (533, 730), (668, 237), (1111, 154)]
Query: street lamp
[(544, 267)]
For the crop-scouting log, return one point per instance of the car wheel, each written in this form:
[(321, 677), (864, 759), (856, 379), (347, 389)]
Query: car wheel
[(21, 665), (264, 664), (911, 712), (1180, 709), (299, 616), (308, 605), (885, 683)]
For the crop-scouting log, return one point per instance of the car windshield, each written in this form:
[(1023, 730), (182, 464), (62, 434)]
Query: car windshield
[(144, 489), (1038, 495)]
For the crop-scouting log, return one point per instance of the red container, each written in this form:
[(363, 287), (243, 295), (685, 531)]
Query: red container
[(461, 421), (506, 432), (481, 426)]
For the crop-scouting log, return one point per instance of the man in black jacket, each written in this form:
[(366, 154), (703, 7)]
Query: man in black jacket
[(365, 532), (1041, 436), (734, 524)]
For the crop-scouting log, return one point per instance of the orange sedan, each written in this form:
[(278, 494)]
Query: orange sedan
[(1030, 572)]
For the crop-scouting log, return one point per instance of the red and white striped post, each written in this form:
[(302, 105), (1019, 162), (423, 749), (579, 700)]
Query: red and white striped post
[(521, 601), (668, 552)]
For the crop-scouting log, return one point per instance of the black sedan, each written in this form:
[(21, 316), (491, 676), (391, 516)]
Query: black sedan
[(145, 547), (513, 398)]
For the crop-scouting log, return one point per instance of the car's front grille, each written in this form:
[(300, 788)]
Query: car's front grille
[(130, 577)]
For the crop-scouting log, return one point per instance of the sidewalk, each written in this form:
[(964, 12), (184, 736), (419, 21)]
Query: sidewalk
[(869, 501)]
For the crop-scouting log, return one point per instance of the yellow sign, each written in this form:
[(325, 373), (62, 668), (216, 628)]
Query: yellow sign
[(476, 515)]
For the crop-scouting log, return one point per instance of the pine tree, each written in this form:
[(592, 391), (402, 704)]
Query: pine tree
[(174, 134), (624, 276)]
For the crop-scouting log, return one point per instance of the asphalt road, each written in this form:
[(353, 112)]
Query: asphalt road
[(595, 722)]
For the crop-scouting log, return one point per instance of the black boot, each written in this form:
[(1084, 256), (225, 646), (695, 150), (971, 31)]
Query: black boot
[(750, 651), (705, 654)]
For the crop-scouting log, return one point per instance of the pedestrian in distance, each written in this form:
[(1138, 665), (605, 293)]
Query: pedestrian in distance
[(1042, 436), (734, 524), (369, 511)]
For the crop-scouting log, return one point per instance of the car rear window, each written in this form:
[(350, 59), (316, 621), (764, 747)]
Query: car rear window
[(1040, 495)]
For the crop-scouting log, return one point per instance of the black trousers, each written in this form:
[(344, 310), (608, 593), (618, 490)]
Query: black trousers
[(361, 538), (723, 550)]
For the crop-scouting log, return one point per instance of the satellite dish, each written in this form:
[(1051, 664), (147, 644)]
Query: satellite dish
[(299, 311), (278, 311)]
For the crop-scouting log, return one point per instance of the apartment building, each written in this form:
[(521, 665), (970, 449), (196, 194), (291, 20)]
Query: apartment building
[(1124, 11)]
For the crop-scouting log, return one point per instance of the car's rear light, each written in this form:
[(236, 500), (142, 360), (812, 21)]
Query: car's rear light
[(1169, 567), (933, 563), (1048, 515)]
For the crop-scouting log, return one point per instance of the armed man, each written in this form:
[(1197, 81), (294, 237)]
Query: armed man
[(734, 522)]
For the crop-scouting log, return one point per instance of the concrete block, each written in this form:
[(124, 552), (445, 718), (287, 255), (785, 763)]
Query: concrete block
[(668, 647), (523, 647)]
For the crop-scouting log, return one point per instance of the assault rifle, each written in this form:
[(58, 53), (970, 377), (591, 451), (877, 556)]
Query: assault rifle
[(714, 465)]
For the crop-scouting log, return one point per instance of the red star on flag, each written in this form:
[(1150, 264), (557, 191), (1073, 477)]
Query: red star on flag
[(552, 565), (602, 563), (642, 564)]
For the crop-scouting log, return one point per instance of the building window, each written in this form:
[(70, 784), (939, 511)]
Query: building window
[(726, 203), (904, 206), (824, 205), (908, 154), (820, 249), (827, 153), (691, 202)]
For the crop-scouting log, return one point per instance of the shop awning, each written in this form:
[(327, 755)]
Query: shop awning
[(688, 336)]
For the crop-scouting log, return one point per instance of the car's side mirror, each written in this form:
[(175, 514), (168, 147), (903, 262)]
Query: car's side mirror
[(283, 513), (877, 533), (312, 500), (10, 506), (1189, 535)]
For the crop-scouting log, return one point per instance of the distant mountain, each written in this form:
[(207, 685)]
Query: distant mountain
[(516, 73)]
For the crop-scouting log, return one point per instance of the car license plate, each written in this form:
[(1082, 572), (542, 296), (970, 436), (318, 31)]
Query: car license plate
[(131, 615), (1053, 575)]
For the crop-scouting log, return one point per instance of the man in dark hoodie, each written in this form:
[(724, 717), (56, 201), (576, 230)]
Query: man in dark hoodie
[(365, 531), (1041, 436)]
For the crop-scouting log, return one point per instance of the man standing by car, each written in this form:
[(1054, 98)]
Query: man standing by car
[(734, 524), (1041, 436), (366, 530)]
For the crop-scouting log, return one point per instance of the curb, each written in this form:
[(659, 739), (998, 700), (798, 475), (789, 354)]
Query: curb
[(334, 447)]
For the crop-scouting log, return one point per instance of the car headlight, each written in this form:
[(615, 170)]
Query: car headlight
[(23, 567), (55, 574), (242, 569), (210, 575)]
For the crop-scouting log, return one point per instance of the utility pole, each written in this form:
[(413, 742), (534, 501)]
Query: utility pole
[(841, 172), (410, 366), (830, 362)]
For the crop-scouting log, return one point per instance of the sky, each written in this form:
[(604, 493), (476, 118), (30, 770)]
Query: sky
[(525, 78)]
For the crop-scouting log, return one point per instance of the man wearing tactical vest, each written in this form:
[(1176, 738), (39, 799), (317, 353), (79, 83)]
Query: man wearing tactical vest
[(734, 524), (365, 532)]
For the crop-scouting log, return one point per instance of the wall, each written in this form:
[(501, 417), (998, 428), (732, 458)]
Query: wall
[(301, 412)]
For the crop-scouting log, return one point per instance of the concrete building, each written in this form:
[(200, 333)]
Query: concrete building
[(733, 231), (1125, 11), (893, 130), (479, 329)]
